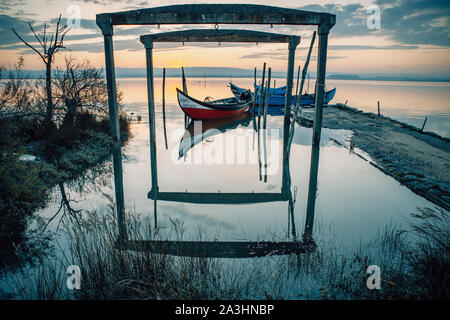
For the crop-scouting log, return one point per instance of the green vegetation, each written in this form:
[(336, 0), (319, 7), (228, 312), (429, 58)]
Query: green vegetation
[(76, 139)]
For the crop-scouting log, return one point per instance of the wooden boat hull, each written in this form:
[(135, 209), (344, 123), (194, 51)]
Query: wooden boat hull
[(199, 110), (278, 100)]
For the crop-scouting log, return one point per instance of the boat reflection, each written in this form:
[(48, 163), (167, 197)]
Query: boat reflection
[(197, 131)]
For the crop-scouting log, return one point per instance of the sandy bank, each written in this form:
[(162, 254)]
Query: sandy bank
[(420, 161)]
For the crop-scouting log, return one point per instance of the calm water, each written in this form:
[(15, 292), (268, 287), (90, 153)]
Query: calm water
[(353, 197), (407, 101)]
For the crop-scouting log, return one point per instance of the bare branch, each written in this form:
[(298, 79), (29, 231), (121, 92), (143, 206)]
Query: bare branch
[(35, 35), (28, 45)]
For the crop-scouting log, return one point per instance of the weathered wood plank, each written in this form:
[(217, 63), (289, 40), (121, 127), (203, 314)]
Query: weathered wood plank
[(217, 198), (219, 35), (217, 14), (219, 249)]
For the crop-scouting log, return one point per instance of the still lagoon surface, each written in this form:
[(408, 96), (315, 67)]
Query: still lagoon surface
[(354, 199)]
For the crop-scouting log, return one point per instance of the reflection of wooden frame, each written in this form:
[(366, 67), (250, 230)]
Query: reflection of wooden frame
[(219, 198), (216, 14), (223, 249), (219, 249)]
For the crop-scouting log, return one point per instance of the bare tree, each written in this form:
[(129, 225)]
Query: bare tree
[(80, 87), (16, 93), (48, 48)]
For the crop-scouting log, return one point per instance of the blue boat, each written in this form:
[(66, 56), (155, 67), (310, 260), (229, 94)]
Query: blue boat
[(278, 96)]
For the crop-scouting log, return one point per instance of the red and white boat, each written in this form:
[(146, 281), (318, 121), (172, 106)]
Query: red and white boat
[(224, 108)]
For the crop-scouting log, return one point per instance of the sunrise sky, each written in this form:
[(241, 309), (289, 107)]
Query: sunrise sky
[(414, 37)]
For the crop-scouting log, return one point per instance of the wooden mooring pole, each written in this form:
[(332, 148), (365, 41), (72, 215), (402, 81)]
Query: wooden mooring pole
[(164, 106), (423, 125), (183, 77), (298, 79), (261, 91), (379, 113), (254, 91), (267, 97)]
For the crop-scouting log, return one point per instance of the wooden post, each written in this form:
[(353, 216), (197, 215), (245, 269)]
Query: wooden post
[(298, 79), (266, 106), (423, 125), (289, 81), (164, 105), (107, 31), (317, 128), (151, 116), (264, 132), (183, 77), (286, 190), (118, 189), (298, 102), (267, 97), (307, 90), (254, 91), (111, 87), (261, 91), (379, 108), (259, 146)]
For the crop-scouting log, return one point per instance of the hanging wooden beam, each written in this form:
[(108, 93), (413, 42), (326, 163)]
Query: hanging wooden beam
[(217, 35), (217, 14)]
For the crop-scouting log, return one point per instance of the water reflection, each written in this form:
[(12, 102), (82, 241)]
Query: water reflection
[(229, 249), (197, 131)]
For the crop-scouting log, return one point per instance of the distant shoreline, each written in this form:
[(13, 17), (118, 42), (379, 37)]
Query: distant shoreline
[(225, 72), (273, 77)]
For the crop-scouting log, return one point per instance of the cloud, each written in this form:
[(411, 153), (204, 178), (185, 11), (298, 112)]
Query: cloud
[(416, 22), (366, 47), (21, 26), (350, 19), (9, 5), (408, 23), (419, 22)]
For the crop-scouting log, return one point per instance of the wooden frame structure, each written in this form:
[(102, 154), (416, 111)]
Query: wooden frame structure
[(204, 35), (216, 14)]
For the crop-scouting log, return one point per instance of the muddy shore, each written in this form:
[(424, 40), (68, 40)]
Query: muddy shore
[(418, 160)]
